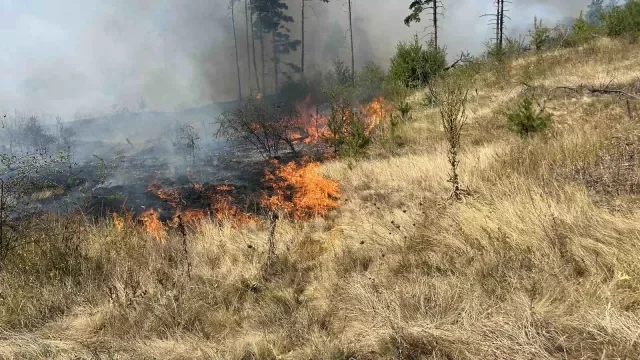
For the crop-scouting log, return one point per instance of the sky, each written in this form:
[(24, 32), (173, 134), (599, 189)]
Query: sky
[(82, 58)]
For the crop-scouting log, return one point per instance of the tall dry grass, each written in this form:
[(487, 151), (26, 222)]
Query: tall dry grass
[(540, 261)]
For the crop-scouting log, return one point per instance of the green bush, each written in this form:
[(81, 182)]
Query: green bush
[(341, 73), (525, 120), (540, 34), (413, 65), (427, 100), (394, 90), (512, 47), (347, 131), (370, 81), (581, 31), (623, 20), (405, 111)]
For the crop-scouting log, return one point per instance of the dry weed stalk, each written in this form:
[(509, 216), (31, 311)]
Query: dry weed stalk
[(452, 100), (273, 221), (185, 248)]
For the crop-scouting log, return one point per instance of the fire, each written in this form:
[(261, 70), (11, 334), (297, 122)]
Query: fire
[(375, 112), (152, 224), (259, 96), (313, 126), (300, 191), (192, 217), (172, 196), (217, 201), (122, 222), (222, 203)]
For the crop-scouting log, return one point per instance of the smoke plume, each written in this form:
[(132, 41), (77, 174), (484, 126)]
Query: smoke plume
[(85, 58)]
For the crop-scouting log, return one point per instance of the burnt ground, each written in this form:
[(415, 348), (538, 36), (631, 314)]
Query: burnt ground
[(125, 183)]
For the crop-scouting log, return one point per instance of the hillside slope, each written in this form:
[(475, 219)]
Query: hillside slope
[(540, 260)]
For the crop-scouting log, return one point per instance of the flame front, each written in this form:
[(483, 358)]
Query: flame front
[(375, 112), (122, 222), (152, 225), (313, 126), (172, 196), (217, 201), (300, 191), (295, 189)]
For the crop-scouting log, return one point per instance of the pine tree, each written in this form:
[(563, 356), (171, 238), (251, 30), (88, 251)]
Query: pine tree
[(595, 12), (247, 22), (235, 43), (497, 22), (353, 59), (272, 19), (302, 19), (253, 43), (417, 7)]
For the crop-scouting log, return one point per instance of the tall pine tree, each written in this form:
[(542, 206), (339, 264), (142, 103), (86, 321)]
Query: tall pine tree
[(302, 19), (235, 44), (417, 7), (271, 19)]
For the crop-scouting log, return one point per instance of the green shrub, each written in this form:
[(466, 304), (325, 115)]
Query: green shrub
[(540, 34), (347, 133), (623, 20), (512, 47), (405, 110), (427, 100), (581, 31), (413, 65), (341, 73), (525, 120), (370, 81), (394, 90)]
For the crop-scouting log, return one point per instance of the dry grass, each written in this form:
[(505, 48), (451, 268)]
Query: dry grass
[(537, 263)]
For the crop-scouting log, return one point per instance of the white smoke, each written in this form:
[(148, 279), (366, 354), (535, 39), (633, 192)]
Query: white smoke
[(69, 56)]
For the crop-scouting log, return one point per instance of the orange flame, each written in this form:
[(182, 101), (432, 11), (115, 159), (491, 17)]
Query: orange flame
[(259, 96), (172, 196), (191, 217), (313, 126), (152, 225), (375, 112), (299, 191), (225, 209), (122, 222)]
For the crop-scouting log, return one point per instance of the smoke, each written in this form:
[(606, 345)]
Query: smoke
[(90, 57)]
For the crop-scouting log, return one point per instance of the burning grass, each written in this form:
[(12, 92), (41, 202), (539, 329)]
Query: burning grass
[(312, 127), (299, 190), (295, 189), (152, 225)]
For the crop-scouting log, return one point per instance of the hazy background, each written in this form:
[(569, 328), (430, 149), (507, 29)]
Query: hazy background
[(84, 58)]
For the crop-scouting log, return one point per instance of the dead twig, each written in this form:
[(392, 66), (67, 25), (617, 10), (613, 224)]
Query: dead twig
[(597, 91)]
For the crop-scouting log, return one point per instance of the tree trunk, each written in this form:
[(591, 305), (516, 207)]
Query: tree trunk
[(2, 244), (501, 23), (353, 61), (264, 76), (435, 23), (246, 20), (497, 24), (253, 45), (235, 43), (302, 44), (276, 59)]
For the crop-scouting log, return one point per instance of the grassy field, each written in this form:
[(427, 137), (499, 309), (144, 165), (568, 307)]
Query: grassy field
[(541, 260)]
